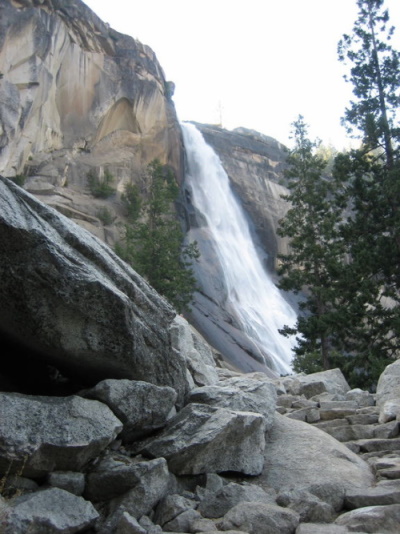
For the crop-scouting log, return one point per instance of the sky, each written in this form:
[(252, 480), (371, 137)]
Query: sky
[(251, 63)]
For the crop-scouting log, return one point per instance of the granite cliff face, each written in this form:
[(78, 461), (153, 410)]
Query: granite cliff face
[(77, 96)]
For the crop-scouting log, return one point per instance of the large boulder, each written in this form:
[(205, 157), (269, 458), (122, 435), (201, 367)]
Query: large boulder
[(218, 503), (50, 511), (382, 519), (388, 387), (260, 518), (331, 381), (204, 439), (240, 393), (298, 455), (116, 474), (43, 434), (141, 407), (197, 353), (70, 298)]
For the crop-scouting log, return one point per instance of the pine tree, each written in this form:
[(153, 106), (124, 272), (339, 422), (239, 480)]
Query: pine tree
[(316, 255), (372, 174), (153, 242), (375, 76)]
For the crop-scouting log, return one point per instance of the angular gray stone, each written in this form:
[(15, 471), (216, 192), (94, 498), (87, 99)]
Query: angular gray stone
[(67, 480), (128, 525), (116, 474), (388, 386), (149, 526), (376, 444), (331, 381), (171, 506), (390, 410), (351, 432), (241, 394), (309, 415), (258, 518), (362, 419), (377, 495), (361, 397), (194, 440), (309, 507), (183, 522), (298, 455), (387, 430), (196, 351), (217, 504), (337, 409), (49, 511), (140, 406), (379, 519), (318, 528), (32, 434), (67, 295), (152, 479)]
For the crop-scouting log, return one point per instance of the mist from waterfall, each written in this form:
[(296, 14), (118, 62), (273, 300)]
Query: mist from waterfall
[(259, 305)]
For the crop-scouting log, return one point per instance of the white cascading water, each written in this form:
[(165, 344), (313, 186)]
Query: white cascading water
[(259, 304)]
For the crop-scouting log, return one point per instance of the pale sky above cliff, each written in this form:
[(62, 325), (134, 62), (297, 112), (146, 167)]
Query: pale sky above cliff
[(255, 63)]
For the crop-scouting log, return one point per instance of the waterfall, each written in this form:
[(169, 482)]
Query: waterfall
[(259, 306)]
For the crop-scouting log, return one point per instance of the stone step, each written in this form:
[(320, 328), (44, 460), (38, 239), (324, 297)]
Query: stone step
[(363, 418), (357, 432), (375, 496), (321, 528), (375, 445), (334, 423), (337, 409)]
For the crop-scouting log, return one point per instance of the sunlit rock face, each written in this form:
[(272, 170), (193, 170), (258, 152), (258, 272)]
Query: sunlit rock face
[(76, 95), (255, 164)]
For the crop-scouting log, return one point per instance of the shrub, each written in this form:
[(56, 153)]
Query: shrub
[(100, 188), (105, 215)]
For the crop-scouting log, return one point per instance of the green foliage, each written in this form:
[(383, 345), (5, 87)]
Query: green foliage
[(345, 230), (132, 201), (153, 242), (100, 188), (105, 215), (19, 179), (375, 75), (317, 252)]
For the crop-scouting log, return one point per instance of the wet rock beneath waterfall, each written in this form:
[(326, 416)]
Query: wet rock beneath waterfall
[(141, 407), (259, 518), (68, 297), (43, 434), (52, 510), (192, 442), (240, 394)]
